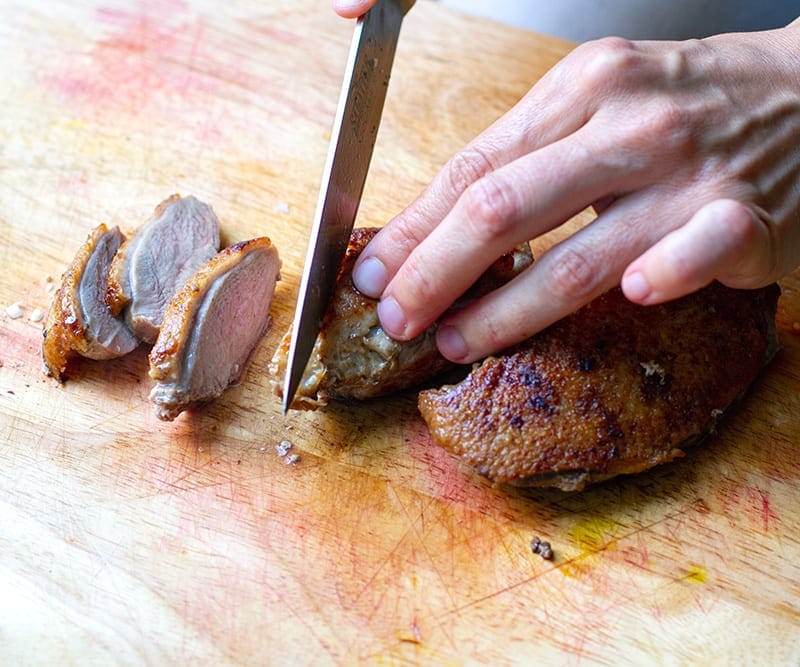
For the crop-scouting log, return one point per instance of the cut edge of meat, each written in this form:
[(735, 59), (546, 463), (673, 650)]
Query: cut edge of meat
[(184, 337), (353, 359), (156, 261), (78, 314)]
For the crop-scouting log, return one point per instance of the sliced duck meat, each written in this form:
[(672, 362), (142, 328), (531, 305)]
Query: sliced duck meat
[(354, 359), (613, 389), (79, 322), (212, 325), (158, 259)]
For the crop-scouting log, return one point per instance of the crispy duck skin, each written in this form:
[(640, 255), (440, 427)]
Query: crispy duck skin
[(182, 234), (79, 322), (613, 389), (212, 325), (354, 359)]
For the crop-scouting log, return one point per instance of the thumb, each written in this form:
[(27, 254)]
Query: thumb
[(725, 240)]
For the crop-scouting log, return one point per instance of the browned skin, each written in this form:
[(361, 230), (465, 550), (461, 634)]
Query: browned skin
[(178, 388), (354, 359), (615, 388), (66, 333)]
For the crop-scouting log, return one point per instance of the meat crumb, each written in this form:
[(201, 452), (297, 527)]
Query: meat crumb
[(14, 311), (542, 548), (283, 448)]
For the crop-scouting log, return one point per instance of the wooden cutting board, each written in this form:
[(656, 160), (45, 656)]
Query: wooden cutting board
[(124, 540)]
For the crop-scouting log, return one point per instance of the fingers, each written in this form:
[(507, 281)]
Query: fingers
[(546, 114), (510, 205), (352, 9), (724, 240), (559, 105), (563, 279)]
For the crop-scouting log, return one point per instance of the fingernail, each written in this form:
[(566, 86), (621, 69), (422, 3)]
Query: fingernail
[(451, 344), (635, 287), (392, 317), (371, 277)]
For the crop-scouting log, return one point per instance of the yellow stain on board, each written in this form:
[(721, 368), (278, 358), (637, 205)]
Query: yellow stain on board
[(696, 575), (590, 536)]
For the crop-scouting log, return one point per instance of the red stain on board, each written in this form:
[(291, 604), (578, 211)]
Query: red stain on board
[(152, 52), (748, 503), (448, 480)]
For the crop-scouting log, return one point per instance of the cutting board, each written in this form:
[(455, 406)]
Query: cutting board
[(125, 540)]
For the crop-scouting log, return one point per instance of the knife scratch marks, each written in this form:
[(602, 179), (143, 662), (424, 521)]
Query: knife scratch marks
[(594, 541)]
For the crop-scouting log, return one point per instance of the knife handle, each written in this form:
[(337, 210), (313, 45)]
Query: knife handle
[(405, 5)]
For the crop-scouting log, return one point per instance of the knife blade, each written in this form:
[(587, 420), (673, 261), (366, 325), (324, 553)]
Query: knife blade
[(355, 129)]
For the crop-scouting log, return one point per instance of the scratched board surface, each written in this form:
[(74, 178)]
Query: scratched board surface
[(125, 540)]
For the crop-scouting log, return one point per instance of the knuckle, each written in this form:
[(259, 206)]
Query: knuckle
[(419, 282), (494, 335), (674, 263), (466, 167), (752, 235), (573, 277), (606, 63), (492, 208), (401, 237), (487, 328)]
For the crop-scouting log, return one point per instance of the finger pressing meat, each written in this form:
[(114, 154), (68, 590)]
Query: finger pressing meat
[(354, 359)]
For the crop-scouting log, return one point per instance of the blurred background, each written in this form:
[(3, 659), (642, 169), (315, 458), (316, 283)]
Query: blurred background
[(581, 20)]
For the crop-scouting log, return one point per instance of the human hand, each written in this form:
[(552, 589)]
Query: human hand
[(351, 9), (688, 151)]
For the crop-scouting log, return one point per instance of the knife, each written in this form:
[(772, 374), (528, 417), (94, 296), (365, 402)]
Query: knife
[(355, 128)]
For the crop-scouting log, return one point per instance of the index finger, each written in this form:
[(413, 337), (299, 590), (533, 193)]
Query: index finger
[(538, 119)]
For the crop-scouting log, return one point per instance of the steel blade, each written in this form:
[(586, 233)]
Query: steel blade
[(353, 136)]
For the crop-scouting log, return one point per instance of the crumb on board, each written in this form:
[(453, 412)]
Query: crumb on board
[(282, 207), (283, 447), (542, 548), (36, 315), (14, 311)]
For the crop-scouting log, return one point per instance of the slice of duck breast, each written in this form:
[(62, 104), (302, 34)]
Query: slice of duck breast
[(615, 388), (158, 259), (79, 322), (212, 325), (354, 358)]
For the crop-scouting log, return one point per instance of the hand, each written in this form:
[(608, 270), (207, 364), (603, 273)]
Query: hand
[(688, 151), (352, 9)]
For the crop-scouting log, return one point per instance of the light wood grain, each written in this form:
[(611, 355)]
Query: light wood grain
[(124, 540)]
